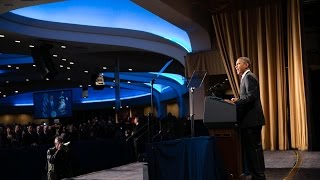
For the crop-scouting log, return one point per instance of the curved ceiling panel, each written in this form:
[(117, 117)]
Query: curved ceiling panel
[(122, 14)]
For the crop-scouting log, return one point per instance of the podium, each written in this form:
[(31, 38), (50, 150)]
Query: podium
[(220, 118)]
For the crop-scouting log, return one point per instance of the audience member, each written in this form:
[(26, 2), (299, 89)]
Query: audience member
[(17, 135), (29, 137), (59, 165), (39, 134)]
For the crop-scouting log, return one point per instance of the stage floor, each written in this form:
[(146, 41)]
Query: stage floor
[(279, 165), (133, 171)]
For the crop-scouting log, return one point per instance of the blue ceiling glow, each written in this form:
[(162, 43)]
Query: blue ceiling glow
[(122, 14), (22, 99), (3, 71), (176, 77), (11, 59), (106, 100), (166, 88), (180, 79), (105, 95), (159, 87), (23, 104)]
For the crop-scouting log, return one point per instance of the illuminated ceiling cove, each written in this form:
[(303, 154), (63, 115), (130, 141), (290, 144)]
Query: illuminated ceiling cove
[(90, 50), (122, 14), (6, 59), (176, 84)]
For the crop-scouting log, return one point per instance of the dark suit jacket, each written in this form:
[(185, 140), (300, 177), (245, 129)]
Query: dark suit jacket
[(59, 165), (249, 107)]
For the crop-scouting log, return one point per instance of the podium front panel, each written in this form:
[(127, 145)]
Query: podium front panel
[(219, 113)]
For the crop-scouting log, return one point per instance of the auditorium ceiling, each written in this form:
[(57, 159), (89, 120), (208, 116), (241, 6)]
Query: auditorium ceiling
[(84, 40)]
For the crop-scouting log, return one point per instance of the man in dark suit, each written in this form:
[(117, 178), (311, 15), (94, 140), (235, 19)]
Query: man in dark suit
[(138, 138), (58, 160), (251, 118)]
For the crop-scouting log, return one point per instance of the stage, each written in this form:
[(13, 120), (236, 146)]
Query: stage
[(133, 171), (279, 165)]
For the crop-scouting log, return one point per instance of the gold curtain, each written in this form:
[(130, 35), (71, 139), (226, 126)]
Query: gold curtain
[(298, 116), (223, 30), (256, 32)]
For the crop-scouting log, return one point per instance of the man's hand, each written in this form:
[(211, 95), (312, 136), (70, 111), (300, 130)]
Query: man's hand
[(58, 146), (234, 99), (229, 101)]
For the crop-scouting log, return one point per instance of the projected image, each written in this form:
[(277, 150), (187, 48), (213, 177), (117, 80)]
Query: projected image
[(52, 104)]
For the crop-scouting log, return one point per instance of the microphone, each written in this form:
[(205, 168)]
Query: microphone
[(226, 80), (214, 87), (223, 82), (211, 88), (217, 85)]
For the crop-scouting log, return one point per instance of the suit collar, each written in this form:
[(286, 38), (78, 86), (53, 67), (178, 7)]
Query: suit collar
[(244, 74)]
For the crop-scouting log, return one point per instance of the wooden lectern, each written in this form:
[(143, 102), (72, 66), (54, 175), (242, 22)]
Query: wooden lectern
[(220, 118)]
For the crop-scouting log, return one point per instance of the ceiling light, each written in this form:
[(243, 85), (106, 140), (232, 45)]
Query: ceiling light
[(61, 65), (1, 36), (31, 46), (17, 67), (129, 82), (71, 62), (47, 79), (4, 95), (64, 59), (17, 41), (0, 92), (114, 80), (7, 82), (34, 65), (68, 67), (80, 86), (63, 47), (89, 85), (113, 107), (111, 87), (127, 106), (86, 71), (69, 79), (130, 69), (9, 66), (27, 79), (55, 55), (104, 67), (16, 92)]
